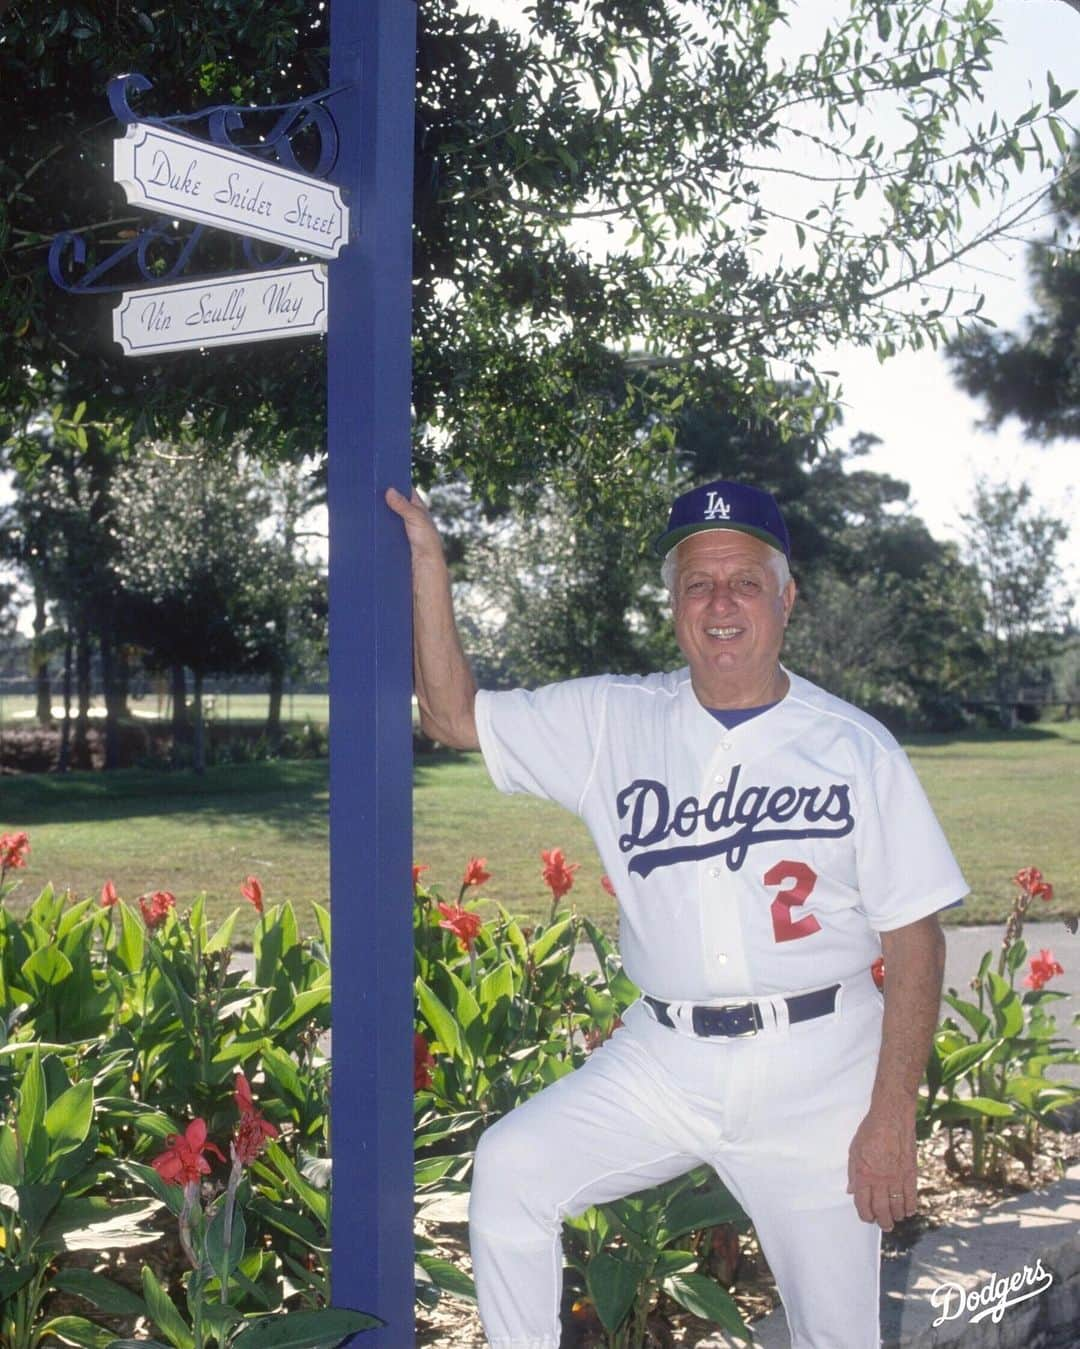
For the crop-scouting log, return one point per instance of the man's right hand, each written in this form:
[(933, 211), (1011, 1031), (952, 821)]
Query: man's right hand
[(445, 688), (420, 529)]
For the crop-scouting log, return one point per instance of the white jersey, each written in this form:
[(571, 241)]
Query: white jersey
[(754, 860)]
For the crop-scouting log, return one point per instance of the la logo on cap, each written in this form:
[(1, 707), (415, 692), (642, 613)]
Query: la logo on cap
[(717, 508)]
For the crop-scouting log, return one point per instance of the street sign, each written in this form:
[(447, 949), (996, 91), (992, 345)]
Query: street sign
[(196, 180), (248, 307)]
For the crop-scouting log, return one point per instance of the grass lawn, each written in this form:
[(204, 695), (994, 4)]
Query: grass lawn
[(1005, 802)]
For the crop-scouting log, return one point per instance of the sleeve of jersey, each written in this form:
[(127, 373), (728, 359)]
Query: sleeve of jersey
[(906, 868), (543, 741)]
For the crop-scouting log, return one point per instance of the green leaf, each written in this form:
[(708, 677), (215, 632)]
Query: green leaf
[(46, 967), (68, 1119), (953, 1065), (78, 1330), (673, 1262), (163, 1314), (304, 1330), (303, 1005), (221, 1260), (439, 1019), (30, 1119), (975, 1105), (692, 1212), (978, 1021), (111, 1298), (884, 22), (499, 983), (278, 1065), (95, 1224), (705, 1298), (546, 942), (447, 1277), (131, 942), (613, 1285), (316, 1200), (14, 1277), (1015, 956)]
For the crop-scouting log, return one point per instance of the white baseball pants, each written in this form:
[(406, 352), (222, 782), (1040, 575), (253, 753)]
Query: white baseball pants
[(773, 1114)]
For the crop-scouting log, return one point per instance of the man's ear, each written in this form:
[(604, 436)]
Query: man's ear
[(787, 599)]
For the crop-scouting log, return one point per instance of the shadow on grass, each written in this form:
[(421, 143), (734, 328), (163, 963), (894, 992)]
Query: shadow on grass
[(427, 765), (1032, 735), (285, 793)]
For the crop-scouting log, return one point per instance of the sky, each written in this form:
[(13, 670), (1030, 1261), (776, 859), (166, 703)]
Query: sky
[(928, 427)]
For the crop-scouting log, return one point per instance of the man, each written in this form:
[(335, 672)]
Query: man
[(766, 842)]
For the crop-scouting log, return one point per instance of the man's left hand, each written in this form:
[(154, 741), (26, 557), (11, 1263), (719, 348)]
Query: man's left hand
[(881, 1166)]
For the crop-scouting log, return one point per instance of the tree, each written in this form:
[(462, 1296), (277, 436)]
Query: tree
[(1035, 375), (746, 210), (203, 587), (1013, 546)]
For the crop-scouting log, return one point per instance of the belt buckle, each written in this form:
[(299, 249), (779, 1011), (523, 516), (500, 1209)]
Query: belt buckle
[(735, 1021)]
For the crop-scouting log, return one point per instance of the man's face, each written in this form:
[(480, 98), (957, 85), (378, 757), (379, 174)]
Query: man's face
[(730, 614)]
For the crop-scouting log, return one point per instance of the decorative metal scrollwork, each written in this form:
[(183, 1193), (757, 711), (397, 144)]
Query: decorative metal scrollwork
[(300, 136), (161, 252), (305, 123)]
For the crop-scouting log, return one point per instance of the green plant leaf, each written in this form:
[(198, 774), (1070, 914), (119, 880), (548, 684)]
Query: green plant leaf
[(960, 1060), (282, 1069), (692, 1212), (106, 1295), (304, 1330), (68, 1119), (96, 1224), (979, 1022), (317, 1201), (613, 1286), (447, 1277), (215, 1242), (78, 1330), (303, 1005), (131, 942), (705, 1298), (46, 967), (14, 1277), (163, 1314), (975, 1105), (439, 1019)]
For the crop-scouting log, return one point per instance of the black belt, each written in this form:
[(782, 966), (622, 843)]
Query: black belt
[(744, 1018)]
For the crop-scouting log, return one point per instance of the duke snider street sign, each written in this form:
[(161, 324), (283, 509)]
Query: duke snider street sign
[(177, 175), (248, 307)]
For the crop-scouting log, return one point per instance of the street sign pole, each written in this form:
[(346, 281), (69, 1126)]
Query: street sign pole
[(373, 45)]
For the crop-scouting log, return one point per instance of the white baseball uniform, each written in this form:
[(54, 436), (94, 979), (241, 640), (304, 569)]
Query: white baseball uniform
[(749, 863)]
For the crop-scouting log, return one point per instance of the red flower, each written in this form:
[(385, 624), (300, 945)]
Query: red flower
[(475, 873), (464, 925), (157, 909), (606, 886), (877, 970), (253, 1129), (558, 873), (422, 1063), (109, 897), (1030, 880), (13, 850), (1043, 968), (252, 892), (416, 870), (182, 1162)]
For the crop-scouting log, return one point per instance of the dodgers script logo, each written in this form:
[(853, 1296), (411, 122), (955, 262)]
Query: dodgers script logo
[(717, 508), (738, 819)]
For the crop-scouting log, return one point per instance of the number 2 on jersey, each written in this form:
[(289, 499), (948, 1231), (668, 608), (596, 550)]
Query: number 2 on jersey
[(803, 879)]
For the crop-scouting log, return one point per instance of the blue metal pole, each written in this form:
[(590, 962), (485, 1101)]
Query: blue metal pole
[(373, 51)]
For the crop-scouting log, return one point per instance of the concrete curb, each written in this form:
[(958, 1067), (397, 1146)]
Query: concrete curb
[(1039, 1233)]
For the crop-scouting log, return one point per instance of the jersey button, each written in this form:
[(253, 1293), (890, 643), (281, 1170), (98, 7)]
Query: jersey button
[(714, 872), (721, 957)]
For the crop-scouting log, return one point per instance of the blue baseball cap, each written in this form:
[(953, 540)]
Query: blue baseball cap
[(725, 505)]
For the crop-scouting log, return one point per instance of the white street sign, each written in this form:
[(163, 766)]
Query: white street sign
[(196, 180), (249, 307)]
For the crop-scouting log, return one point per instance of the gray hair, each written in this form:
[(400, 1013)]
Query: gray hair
[(669, 570)]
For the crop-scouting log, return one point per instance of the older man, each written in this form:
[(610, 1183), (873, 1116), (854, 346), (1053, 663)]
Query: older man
[(767, 842)]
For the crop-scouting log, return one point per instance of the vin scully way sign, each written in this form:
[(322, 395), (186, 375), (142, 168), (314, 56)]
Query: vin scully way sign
[(195, 180), (249, 307)]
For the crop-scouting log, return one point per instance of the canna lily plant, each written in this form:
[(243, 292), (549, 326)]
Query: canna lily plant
[(213, 1236)]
